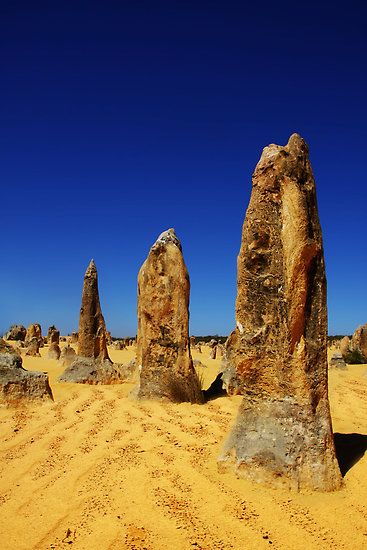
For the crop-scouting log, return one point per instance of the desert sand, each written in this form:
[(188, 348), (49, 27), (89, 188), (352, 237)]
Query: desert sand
[(98, 469)]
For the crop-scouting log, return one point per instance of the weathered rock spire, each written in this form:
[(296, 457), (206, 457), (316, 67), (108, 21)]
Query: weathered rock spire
[(277, 353), (163, 351), (92, 328)]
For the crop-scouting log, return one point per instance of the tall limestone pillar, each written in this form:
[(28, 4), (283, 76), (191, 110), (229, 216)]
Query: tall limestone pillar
[(163, 344), (92, 328), (278, 351)]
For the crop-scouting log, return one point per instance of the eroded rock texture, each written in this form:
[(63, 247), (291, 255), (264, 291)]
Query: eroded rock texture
[(34, 331), (163, 345), (54, 351), (92, 328), (18, 385), (359, 341), (17, 332), (53, 335), (89, 371), (277, 353)]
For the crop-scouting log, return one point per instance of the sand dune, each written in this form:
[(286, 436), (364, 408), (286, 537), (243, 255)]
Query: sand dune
[(98, 469)]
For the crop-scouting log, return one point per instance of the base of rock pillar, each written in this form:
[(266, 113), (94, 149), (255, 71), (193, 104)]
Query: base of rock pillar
[(172, 388), (282, 442)]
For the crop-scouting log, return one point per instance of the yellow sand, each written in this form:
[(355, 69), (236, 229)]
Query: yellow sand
[(97, 469)]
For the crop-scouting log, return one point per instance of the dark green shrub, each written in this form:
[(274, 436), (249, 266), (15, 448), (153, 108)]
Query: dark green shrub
[(355, 357)]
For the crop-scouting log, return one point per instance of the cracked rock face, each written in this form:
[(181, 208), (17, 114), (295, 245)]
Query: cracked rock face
[(92, 328), (163, 345), (277, 355)]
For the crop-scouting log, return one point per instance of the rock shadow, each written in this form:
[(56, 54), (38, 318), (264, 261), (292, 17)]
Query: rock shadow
[(350, 448), (215, 390)]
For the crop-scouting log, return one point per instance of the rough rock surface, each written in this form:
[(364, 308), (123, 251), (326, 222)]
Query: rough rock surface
[(92, 329), (17, 332), (74, 338), (337, 361), (54, 351), (34, 331), (17, 384), (89, 371), (53, 335), (67, 355), (359, 340), (277, 352), (33, 347), (344, 345), (163, 345)]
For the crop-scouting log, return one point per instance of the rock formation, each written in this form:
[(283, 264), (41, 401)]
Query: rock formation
[(34, 331), (163, 345), (33, 347), (344, 345), (17, 384), (92, 328), (74, 338), (67, 356), (89, 371), (277, 352), (337, 361), (54, 351), (53, 335), (213, 352), (17, 332), (359, 341)]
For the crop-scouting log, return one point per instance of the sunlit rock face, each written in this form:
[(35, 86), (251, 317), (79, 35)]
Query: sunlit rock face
[(163, 344), (17, 385), (277, 355), (92, 328)]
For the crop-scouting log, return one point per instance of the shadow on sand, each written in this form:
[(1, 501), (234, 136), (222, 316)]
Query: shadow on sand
[(349, 449)]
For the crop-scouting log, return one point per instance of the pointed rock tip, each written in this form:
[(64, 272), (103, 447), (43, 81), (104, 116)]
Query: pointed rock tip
[(169, 236), (296, 142), (91, 269)]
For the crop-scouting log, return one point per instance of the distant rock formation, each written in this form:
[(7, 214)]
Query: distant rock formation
[(17, 384), (163, 346), (67, 356), (89, 371), (359, 341), (54, 351), (344, 345), (33, 347), (17, 332), (34, 331), (337, 361), (53, 335), (213, 352), (74, 338), (92, 328), (277, 352)]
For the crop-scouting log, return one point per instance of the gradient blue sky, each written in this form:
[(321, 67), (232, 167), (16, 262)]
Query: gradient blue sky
[(121, 119)]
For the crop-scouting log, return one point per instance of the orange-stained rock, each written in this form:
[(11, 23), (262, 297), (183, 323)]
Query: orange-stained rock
[(92, 329), (344, 345), (359, 341), (34, 331), (278, 352), (163, 345)]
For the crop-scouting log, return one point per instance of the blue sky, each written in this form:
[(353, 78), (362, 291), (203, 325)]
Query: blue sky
[(121, 119)]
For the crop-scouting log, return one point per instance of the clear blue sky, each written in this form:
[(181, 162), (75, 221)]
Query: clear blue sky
[(122, 119)]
